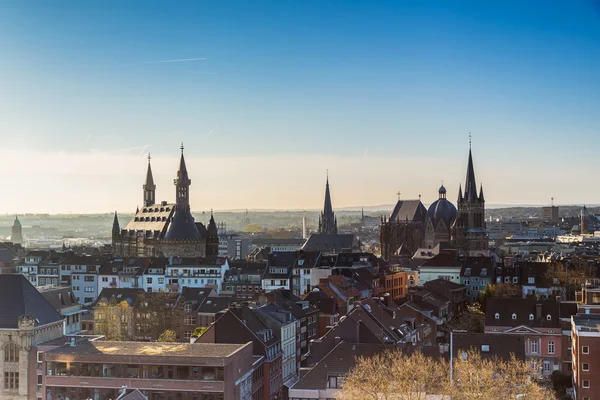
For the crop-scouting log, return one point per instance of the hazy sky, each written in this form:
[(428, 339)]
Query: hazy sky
[(273, 93)]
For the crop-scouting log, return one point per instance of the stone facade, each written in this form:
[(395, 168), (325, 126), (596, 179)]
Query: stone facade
[(19, 356)]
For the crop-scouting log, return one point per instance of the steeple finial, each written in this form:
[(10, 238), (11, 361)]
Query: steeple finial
[(182, 147), (398, 193), (149, 157), (469, 140)]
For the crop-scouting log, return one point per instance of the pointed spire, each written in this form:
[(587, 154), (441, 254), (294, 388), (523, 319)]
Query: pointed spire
[(149, 187), (115, 227), (137, 209), (182, 173), (481, 198), (212, 226), (460, 195), (470, 183), (328, 208)]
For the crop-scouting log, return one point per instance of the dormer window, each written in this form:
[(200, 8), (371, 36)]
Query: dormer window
[(514, 316), (531, 279), (531, 317), (548, 317), (187, 308), (497, 316)]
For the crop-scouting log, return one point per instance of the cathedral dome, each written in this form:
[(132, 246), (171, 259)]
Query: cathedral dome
[(442, 209)]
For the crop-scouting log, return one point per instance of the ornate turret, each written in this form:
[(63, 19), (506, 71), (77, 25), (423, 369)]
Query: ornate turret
[(327, 220), (149, 187), (182, 184)]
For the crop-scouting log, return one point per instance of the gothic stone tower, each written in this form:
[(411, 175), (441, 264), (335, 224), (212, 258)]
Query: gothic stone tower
[(327, 220), (469, 233), (149, 187)]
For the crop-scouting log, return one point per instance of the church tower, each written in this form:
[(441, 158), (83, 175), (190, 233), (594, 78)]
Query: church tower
[(149, 187), (327, 220), (212, 239), (16, 235), (116, 230), (469, 233)]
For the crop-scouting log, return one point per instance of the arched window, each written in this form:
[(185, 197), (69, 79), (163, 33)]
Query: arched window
[(497, 316), (531, 317), (11, 352), (549, 317), (514, 316)]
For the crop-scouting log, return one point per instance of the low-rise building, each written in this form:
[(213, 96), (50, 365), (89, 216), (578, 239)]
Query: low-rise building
[(63, 300), (99, 369)]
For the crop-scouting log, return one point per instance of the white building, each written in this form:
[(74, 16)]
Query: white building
[(188, 272)]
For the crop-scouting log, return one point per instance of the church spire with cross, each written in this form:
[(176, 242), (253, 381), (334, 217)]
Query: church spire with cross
[(149, 187), (327, 220)]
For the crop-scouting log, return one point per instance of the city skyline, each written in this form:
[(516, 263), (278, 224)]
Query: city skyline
[(268, 96)]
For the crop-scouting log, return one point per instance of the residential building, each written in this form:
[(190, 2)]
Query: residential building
[(243, 280), (442, 266), (100, 369), (206, 273), (454, 292), (63, 300), (543, 324), (585, 350), (475, 274), (239, 324), (278, 273)]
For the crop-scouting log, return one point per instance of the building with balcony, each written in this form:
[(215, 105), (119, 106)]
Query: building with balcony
[(278, 273), (206, 273), (98, 370), (243, 280)]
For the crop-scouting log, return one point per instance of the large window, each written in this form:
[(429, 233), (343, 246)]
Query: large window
[(11, 380), (11, 353), (551, 347), (534, 346), (189, 320)]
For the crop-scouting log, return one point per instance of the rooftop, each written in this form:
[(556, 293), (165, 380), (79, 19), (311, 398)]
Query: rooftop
[(587, 322), (150, 349)]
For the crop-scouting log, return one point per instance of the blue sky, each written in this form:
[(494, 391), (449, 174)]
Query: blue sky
[(381, 93)]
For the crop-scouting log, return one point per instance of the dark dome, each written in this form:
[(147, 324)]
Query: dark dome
[(182, 226), (442, 190), (441, 209)]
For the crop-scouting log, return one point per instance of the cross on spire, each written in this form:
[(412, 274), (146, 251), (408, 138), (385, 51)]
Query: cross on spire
[(149, 157), (469, 140), (181, 147), (398, 194)]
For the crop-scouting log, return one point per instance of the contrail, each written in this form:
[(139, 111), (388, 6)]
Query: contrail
[(210, 133), (173, 61)]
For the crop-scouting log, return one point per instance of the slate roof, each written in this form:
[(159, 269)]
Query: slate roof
[(479, 267), (442, 260), (411, 210), (338, 362), (287, 300), (523, 308), (330, 242), (60, 297), (195, 296), (213, 305), (498, 344), (154, 218), (18, 297)]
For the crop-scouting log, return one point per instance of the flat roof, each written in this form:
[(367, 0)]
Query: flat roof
[(149, 349), (587, 322)]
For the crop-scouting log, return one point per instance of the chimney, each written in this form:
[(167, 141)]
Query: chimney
[(538, 311), (304, 228)]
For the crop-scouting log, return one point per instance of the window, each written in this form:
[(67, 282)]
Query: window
[(89, 279), (551, 347), (11, 380), (11, 352), (187, 308), (88, 289), (548, 317), (534, 346), (586, 384), (187, 334), (514, 316), (531, 279), (189, 320), (585, 350), (546, 366), (105, 279), (161, 280), (335, 382), (531, 317), (149, 281), (515, 279), (497, 316), (585, 367)]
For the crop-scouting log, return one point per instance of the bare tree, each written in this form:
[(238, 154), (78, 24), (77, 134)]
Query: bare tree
[(393, 375)]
